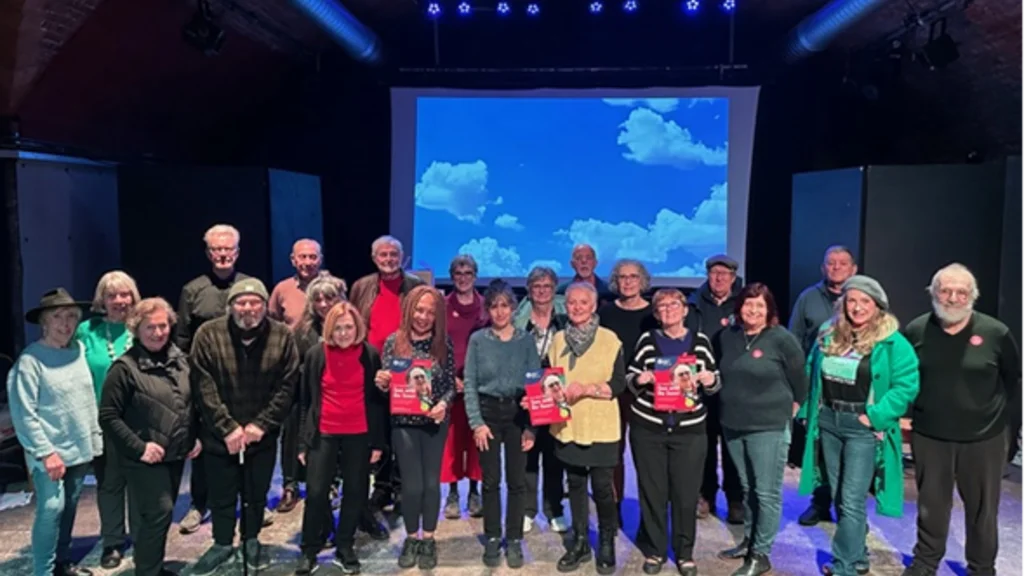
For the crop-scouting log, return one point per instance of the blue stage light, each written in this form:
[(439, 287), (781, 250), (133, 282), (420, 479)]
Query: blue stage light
[(596, 7), (503, 8), (532, 9), (629, 6), (434, 9), (691, 5), (464, 8), (728, 5)]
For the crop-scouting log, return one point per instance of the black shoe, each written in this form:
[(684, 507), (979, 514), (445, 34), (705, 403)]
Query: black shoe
[(70, 570), (652, 565), (410, 553), (579, 553), (492, 553), (606, 552), (754, 565), (428, 554), (736, 552), (813, 515), (306, 565), (345, 558), (686, 567), (514, 554), (375, 529), (916, 569), (111, 557)]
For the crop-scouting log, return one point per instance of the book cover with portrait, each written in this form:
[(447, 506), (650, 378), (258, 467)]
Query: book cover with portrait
[(675, 383), (545, 394), (411, 386)]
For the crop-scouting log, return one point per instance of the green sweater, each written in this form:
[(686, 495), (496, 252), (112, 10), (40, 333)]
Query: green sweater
[(496, 368), (97, 335), (894, 385)]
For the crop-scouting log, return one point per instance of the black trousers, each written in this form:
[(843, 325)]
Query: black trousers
[(154, 489), (552, 473), (322, 462), (111, 492), (387, 482), (730, 477), (292, 471), (197, 483), (603, 489), (506, 421), (976, 470), (418, 450), (668, 471), (228, 481)]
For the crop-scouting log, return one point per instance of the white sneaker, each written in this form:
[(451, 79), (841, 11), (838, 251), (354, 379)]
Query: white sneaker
[(527, 524), (560, 524)]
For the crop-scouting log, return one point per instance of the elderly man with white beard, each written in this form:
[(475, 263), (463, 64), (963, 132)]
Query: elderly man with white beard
[(968, 403), (244, 368)]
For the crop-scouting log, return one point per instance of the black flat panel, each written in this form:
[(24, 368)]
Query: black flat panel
[(1009, 267)]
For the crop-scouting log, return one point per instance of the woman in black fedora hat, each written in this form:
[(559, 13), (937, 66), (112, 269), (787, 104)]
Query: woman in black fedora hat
[(53, 407)]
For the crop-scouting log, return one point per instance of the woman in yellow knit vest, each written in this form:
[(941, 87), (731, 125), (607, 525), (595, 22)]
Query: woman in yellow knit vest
[(588, 444)]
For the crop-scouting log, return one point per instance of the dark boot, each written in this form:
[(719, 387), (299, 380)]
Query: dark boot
[(813, 515), (754, 565), (111, 557), (736, 552), (428, 554), (578, 553), (606, 552)]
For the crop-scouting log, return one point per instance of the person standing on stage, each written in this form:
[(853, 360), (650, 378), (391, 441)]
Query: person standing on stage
[(968, 408), (244, 369)]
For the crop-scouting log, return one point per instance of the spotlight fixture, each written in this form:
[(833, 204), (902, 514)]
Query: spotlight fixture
[(596, 7), (728, 5), (503, 8), (629, 6), (532, 9), (465, 8), (434, 9), (691, 5)]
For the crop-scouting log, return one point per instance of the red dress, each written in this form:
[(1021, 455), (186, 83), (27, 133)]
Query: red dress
[(461, 459)]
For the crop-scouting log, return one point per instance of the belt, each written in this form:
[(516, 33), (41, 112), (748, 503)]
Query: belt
[(844, 406), (499, 399)]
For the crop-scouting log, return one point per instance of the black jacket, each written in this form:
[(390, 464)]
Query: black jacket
[(146, 398), (311, 395)]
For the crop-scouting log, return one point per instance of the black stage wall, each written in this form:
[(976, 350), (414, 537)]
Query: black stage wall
[(1010, 264)]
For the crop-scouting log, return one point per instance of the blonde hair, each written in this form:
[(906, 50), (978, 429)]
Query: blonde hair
[(335, 314), (113, 280), (838, 337), (222, 230), (146, 308)]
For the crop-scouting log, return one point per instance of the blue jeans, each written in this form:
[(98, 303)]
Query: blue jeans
[(56, 504), (760, 459), (849, 450)]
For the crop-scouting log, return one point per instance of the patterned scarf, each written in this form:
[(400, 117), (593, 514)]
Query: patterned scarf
[(578, 339)]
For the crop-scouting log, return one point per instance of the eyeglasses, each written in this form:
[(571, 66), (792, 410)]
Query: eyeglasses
[(542, 287), (674, 305), (631, 277), (960, 293)]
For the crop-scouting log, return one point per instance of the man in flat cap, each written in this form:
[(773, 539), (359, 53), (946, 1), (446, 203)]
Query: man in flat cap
[(713, 307), (244, 368)]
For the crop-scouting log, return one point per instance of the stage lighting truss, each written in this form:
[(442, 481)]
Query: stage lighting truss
[(691, 5), (595, 7)]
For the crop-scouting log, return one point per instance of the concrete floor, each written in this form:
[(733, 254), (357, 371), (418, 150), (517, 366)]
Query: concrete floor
[(798, 550)]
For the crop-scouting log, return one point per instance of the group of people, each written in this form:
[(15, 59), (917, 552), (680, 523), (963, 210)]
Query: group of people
[(139, 388)]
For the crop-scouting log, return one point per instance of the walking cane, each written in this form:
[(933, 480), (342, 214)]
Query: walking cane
[(245, 509)]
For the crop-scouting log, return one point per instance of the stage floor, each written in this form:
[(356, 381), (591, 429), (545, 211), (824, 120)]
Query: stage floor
[(798, 550)]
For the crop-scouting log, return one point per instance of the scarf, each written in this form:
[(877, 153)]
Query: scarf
[(578, 339)]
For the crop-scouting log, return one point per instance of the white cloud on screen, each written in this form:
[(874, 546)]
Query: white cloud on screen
[(660, 104), (459, 189), (508, 221), (493, 259), (694, 102), (553, 264), (654, 141), (702, 234)]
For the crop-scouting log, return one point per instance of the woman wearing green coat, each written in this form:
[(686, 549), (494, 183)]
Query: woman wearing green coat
[(864, 377)]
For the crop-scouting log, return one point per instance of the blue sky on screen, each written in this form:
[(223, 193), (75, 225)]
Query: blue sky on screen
[(516, 182)]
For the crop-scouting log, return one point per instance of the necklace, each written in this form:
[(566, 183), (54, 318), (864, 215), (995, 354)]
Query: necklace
[(110, 342), (750, 341)]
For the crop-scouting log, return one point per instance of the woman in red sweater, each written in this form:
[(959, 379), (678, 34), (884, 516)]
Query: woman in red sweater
[(342, 412)]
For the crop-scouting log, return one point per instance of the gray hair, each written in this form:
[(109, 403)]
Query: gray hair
[(839, 248), (539, 272), (222, 230), (645, 276), (956, 270), (114, 280), (463, 261), (302, 241), (585, 286), (385, 240)]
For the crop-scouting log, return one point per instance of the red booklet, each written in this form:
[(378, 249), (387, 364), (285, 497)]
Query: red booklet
[(545, 394), (411, 386), (675, 383)]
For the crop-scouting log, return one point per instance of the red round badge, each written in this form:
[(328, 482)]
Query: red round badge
[(455, 314), (725, 321), (976, 340), (757, 353)]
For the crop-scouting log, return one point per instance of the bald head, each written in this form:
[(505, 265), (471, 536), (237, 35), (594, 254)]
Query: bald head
[(584, 261)]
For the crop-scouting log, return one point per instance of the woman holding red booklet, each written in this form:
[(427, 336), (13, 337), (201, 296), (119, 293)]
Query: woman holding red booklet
[(497, 360), (669, 447), (419, 440)]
